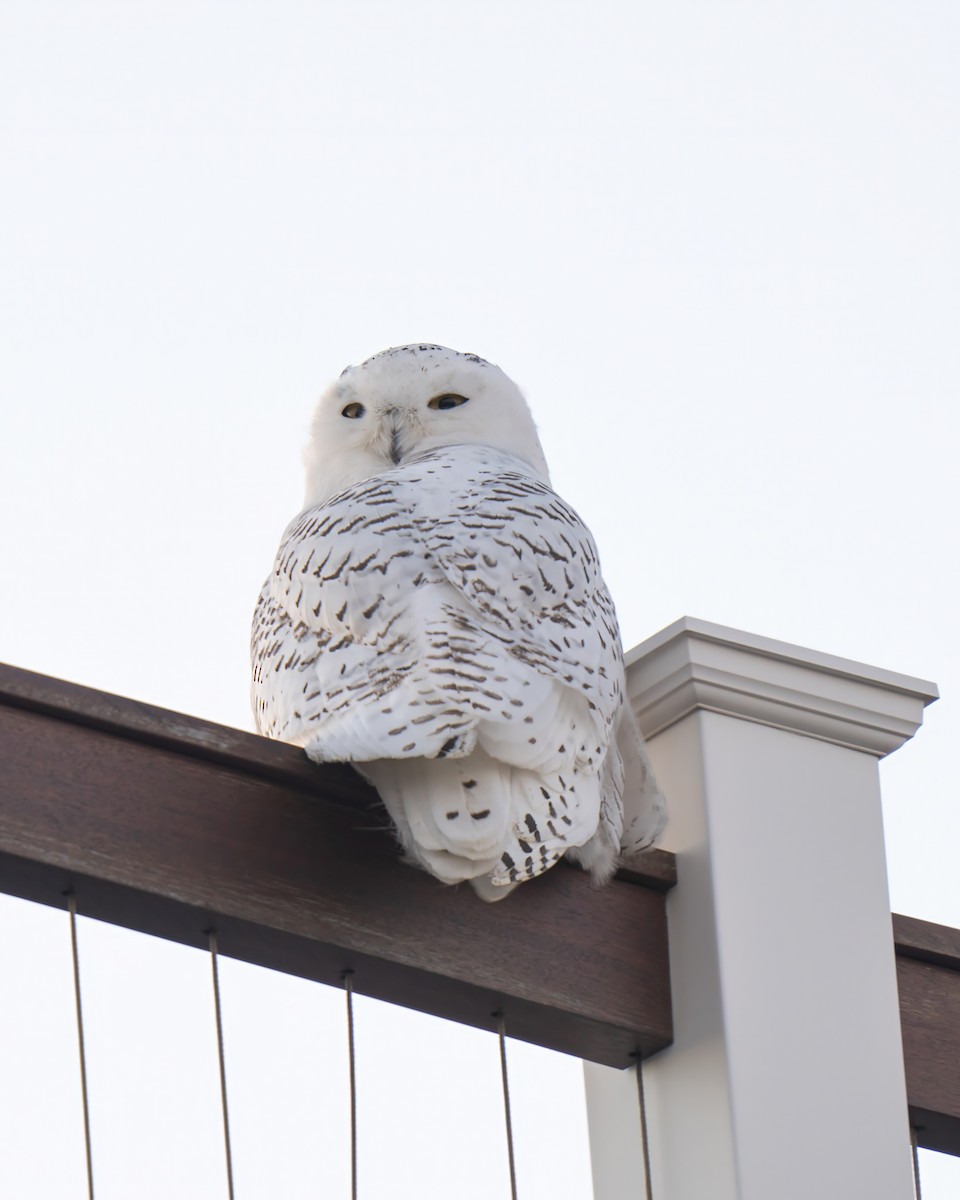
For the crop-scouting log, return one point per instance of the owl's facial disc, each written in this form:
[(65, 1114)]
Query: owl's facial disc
[(412, 400)]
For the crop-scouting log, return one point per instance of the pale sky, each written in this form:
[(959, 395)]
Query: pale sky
[(716, 244)]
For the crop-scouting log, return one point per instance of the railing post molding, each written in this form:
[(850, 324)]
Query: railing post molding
[(786, 1074)]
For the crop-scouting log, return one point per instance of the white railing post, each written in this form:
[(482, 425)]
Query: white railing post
[(785, 1081)]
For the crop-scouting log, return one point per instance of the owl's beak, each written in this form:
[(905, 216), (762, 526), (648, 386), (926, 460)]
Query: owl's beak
[(393, 419)]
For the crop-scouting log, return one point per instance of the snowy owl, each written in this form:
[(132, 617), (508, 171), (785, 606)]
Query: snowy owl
[(436, 616)]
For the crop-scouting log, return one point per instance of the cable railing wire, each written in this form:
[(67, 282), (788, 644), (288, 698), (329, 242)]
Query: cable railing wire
[(644, 1140), (212, 939), (502, 1033), (72, 907), (347, 977)]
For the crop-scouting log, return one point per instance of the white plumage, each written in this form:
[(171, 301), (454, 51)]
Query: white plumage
[(436, 616)]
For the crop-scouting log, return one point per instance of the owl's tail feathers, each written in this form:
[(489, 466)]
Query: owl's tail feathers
[(644, 805), (478, 820), (553, 815), (451, 814)]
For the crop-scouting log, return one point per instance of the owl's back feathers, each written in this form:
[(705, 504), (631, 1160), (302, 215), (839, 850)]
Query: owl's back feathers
[(444, 626)]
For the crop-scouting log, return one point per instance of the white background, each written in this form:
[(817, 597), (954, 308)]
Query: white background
[(717, 246)]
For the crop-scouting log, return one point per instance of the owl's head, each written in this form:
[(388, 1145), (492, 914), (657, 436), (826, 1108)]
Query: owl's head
[(407, 400)]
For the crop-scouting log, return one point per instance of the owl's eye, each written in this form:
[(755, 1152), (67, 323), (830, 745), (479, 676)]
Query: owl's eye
[(352, 410), (447, 401)]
